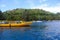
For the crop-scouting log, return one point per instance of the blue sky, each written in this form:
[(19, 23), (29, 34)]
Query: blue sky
[(48, 5)]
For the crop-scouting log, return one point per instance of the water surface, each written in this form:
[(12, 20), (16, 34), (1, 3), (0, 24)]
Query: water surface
[(51, 31)]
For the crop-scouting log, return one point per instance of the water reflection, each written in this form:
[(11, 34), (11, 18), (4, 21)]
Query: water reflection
[(39, 25)]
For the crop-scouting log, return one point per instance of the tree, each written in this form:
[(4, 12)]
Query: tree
[(26, 15), (30, 14), (2, 16)]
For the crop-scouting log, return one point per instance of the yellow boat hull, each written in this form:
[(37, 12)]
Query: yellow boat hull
[(16, 25), (4, 25)]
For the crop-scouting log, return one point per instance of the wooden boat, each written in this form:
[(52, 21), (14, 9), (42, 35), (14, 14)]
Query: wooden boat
[(24, 24)]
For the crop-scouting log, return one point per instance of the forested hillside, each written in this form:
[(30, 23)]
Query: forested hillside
[(29, 15)]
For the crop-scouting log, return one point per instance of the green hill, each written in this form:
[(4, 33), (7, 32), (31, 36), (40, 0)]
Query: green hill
[(30, 14)]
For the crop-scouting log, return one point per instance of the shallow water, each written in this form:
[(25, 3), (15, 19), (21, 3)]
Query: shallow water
[(51, 31)]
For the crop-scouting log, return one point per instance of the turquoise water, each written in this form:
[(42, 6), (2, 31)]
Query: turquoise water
[(49, 30)]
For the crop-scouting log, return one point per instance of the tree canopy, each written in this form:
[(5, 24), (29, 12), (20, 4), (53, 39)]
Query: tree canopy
[(29, 15), (2, 17)]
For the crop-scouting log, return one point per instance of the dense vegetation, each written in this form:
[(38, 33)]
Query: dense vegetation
[(2, 16), (29, 15)]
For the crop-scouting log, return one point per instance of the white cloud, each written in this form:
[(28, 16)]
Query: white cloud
[(46, 7)]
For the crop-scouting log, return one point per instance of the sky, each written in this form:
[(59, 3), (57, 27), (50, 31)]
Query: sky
[(48, 5)]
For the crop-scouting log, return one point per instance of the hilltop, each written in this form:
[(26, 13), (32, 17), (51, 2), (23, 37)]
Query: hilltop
[(29, 15)]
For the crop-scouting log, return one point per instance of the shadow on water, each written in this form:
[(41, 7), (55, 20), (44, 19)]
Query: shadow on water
[(38, 25)]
